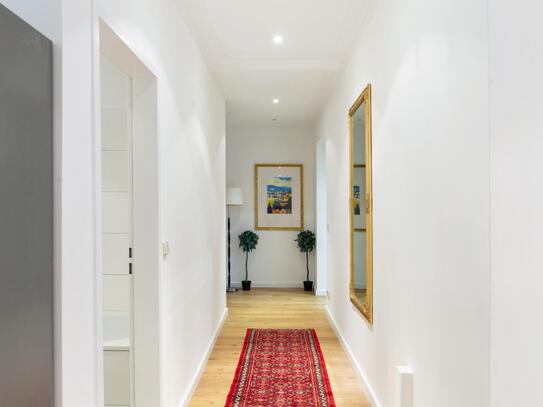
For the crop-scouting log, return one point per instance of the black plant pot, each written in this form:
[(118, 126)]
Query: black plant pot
[(246, 285), (308, 285)]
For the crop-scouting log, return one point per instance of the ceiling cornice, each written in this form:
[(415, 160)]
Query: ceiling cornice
[(276, 65)]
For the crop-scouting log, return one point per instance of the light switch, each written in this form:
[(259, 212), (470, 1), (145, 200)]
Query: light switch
[(165, 248)]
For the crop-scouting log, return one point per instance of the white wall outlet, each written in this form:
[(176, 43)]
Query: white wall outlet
[(405, 386), (165, 248)]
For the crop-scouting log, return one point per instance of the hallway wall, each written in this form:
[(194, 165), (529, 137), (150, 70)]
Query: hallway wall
[(277, 261), (516, 119), (427, 62), (191, 128), (192, 147)]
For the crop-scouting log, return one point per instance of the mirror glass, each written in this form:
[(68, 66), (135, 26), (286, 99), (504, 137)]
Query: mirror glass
[(359, 209), (360, 167)]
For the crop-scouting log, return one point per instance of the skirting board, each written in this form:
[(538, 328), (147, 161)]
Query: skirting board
[(201, 367), (272, 284), (367, 386)]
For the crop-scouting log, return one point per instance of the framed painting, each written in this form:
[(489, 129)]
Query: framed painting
[(279, 196)]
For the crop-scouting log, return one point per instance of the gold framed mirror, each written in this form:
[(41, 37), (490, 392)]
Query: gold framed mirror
[(361, 205)]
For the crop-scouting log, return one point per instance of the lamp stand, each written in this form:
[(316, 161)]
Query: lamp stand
[(229, 289)]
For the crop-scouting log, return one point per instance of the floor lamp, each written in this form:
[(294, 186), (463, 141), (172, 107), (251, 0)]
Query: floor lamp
[(234, 197)]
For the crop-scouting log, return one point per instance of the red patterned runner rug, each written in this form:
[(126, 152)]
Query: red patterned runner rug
[(281, 367)]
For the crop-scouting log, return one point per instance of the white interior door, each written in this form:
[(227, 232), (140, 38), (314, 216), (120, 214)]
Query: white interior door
[(117, 233)]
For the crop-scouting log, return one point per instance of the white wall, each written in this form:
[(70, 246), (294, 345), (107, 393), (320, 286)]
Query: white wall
[(43, 15), (80, 300), (192, 189), (191, 133), (427, 62), (516, 119), (277, 261)]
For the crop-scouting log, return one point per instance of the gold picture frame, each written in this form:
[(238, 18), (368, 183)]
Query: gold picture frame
[(365, 307), (263, 224)]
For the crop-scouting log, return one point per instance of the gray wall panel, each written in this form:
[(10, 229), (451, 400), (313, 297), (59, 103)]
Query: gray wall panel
[(26, 215)]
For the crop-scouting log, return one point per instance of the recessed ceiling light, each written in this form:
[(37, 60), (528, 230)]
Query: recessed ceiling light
[(275, 101), (278, 39)]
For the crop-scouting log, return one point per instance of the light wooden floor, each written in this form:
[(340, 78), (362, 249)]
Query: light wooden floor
[(276, 308)]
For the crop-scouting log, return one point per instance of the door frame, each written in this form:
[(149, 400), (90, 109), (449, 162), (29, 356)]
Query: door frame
[(145, 211)]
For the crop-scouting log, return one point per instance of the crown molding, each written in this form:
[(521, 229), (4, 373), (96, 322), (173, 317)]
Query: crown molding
[(265, 64)]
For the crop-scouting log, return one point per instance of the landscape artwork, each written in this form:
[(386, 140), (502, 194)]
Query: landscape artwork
[(279, 194), (279, 198)]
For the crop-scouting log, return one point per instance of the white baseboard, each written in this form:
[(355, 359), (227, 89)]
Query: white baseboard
[(272, 284), (365, 382), (201, 367)]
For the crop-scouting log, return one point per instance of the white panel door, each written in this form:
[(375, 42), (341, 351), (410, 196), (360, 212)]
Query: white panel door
[(114, 253), (116, 92), (117, 372), (115, 171), (116, 155), (116, 213)]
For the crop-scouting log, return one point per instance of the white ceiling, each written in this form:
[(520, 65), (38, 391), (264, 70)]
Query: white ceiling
[(235, 37)]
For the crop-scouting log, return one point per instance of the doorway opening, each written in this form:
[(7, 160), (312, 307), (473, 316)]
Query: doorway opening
[(322, 219), (129, 238)]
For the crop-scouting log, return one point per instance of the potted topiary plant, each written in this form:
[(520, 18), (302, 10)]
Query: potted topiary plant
[(247, 242), (306, 244)]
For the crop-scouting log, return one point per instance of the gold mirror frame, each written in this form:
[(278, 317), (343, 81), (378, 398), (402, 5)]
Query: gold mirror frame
[(366, 308)]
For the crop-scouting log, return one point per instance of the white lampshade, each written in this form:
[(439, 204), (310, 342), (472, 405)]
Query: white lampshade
[(234, 196)]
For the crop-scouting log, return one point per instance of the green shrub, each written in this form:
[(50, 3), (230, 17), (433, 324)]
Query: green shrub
[(306, 243), (247, 242)]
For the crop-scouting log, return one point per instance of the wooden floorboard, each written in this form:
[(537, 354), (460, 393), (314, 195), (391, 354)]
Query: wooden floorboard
[(276, 308)]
